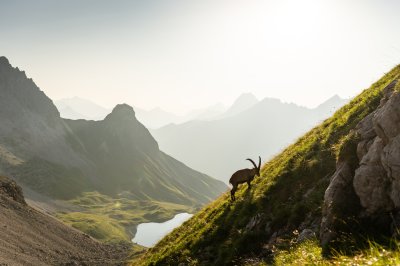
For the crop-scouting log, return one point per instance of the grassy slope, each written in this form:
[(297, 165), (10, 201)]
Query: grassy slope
[(309, 253), (217, 235), (115, 219)]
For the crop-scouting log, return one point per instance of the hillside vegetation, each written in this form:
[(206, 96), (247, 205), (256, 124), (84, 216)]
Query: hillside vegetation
[(287, 197)]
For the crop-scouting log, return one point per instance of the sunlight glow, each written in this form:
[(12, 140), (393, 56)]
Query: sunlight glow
[(182, 55)]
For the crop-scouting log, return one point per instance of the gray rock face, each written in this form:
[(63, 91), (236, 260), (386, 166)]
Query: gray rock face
[(306, 234), (386, 120), (336, 202), (375, 181), (371, 183)]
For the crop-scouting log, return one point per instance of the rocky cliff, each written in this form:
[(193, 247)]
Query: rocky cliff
[(364, 192)]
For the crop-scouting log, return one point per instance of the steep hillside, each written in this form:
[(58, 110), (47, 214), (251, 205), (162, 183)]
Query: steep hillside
[(290, 201), (250, 129), (29, 237)]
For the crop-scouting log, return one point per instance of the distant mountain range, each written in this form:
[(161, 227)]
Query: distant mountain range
[(248, 129), (79, 108), (62, 158)]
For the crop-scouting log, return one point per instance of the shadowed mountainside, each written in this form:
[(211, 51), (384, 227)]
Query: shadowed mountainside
[(62, 158)]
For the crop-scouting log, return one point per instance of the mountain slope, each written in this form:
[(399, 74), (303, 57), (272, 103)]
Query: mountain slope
[(29, 237), (62, 158), (127, 158), (221, 146), (286, 199)]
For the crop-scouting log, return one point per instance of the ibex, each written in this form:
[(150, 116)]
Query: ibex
[(243, 176)]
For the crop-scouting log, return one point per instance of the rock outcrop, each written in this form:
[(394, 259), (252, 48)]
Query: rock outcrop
[(364, 191), (9, 188)]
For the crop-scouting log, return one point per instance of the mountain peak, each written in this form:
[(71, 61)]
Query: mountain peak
[(123, 109), (332, 103), (246, 97), (4, 60), (242, 103)]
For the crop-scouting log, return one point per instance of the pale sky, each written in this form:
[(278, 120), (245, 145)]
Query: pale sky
[(180, 55)]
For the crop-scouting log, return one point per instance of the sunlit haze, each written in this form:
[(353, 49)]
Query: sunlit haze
[(181, 55)]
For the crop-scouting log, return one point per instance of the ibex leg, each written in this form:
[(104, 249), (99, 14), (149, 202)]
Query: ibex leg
[(234, 188)]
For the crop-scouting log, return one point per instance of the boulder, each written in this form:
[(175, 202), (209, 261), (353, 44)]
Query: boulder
[(367, 194), (10, 189), (306, 234), (371, 183), (387, 119), (336, 202)]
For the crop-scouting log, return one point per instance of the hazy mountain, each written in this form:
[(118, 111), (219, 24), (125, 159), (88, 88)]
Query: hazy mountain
[(156, 118), (208, 113), (61, 158), (242, 103), (78, 108), (331, 105), (220, 147)]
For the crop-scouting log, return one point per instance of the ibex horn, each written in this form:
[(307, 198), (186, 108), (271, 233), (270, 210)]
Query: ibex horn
[(252, 162)]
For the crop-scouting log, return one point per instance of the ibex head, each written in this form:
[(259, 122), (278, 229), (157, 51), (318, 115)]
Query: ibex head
[(256, 168)]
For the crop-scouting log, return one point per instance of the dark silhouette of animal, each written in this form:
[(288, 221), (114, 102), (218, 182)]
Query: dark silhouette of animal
[(244, 176)]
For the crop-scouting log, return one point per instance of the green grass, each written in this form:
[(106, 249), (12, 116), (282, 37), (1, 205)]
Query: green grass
[(310, 253), (115, 219), (289, 193), (50, 179)]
